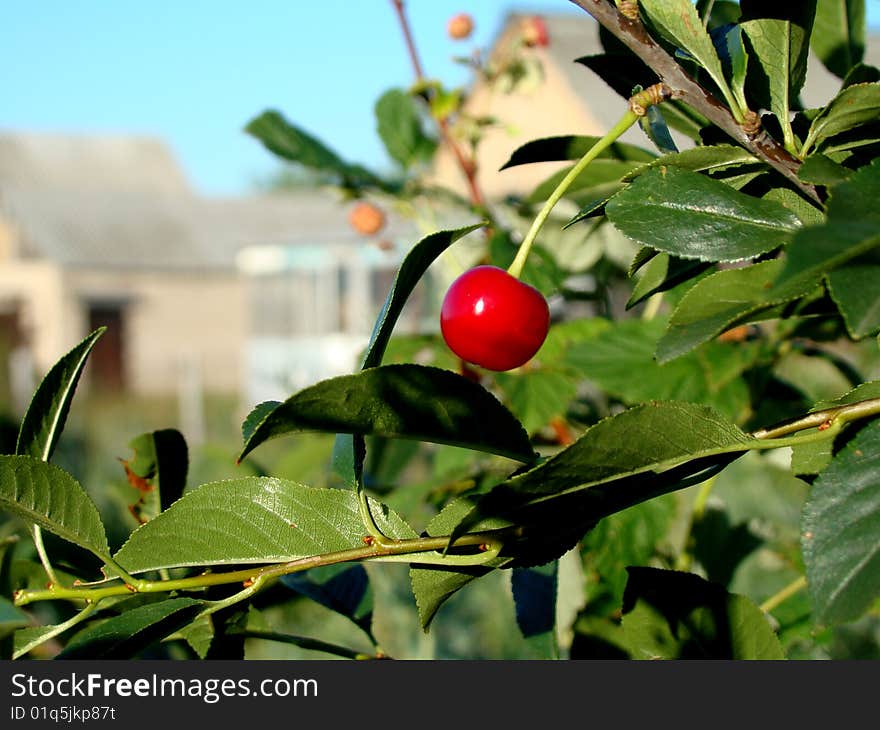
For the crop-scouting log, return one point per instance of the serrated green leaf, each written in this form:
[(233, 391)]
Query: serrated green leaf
[(433, 585), (854, 106), (864, 391), (44, 420), (629, 537), (664, 272), (708, 375), (821, 170), (707, 158), (296, 145), (42, 494), (400, 401), (411, 271), (728, 41), (673, 615), (841, 521), (839, 34), (678, 21), (856, 292), (779, 47), (808, 214), (199, 635), (690, 215), (716, 303), (126, 635), (572, 147), (252, 520), (537, 395), (640, 443), (534, 597), (342, 588), (399, 126)]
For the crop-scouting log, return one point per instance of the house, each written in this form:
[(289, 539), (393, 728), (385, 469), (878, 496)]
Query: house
[(105, 231)]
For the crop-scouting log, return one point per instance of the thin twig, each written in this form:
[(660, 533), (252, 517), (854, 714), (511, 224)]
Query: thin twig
[(634, 36), (467, 165)]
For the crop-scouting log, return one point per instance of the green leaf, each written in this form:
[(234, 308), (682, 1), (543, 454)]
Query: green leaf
[(125, 636), (673, 615), (678, 21), (158, 471), (644, 441), (572, 147), (199, 635), (342, 588), (595, 179), (296, 145), (854, 106), (534, 597), (728, 41), (400, 401), (779, 48), (710, 375), (630, 537), (690, 215), (411, 271), (11, 618), (537, 395), (716, 303), (709, 158), (399, 125), (841, 520), (821, 170), (856, 292), (661, 273), (44, 420), (653, 124), (839, 34), (249, 521), (42, 494), (433, 585)]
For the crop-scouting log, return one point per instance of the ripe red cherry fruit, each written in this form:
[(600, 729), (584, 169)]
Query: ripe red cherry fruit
[(490, 318)]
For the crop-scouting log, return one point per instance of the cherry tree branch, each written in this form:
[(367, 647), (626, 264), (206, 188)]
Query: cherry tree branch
[(467, 165), (634, 35)]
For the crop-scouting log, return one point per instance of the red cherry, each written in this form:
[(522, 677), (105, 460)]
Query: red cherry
[(490, 318)]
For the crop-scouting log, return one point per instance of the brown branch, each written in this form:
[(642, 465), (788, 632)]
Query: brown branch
[(634, 36), (467, 165)]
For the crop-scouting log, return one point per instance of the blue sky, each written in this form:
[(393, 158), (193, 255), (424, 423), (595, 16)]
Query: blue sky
[(194, 72)]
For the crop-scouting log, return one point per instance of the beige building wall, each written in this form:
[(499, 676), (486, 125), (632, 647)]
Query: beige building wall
[(545, 109), (36, 287), (178, 325)]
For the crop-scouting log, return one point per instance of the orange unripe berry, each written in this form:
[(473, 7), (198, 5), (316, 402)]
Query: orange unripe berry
[(366, 218), (534, 32), (460, 26)]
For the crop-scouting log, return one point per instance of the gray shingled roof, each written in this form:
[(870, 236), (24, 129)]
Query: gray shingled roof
[(109, 202)]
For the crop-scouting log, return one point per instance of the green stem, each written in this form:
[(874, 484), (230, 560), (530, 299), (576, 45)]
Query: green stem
[(783, 595), (618, 129), (417, 550), (44, 556), (56, 630)]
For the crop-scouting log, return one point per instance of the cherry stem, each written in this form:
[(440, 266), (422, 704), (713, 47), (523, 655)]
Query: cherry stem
[(628, 119)]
